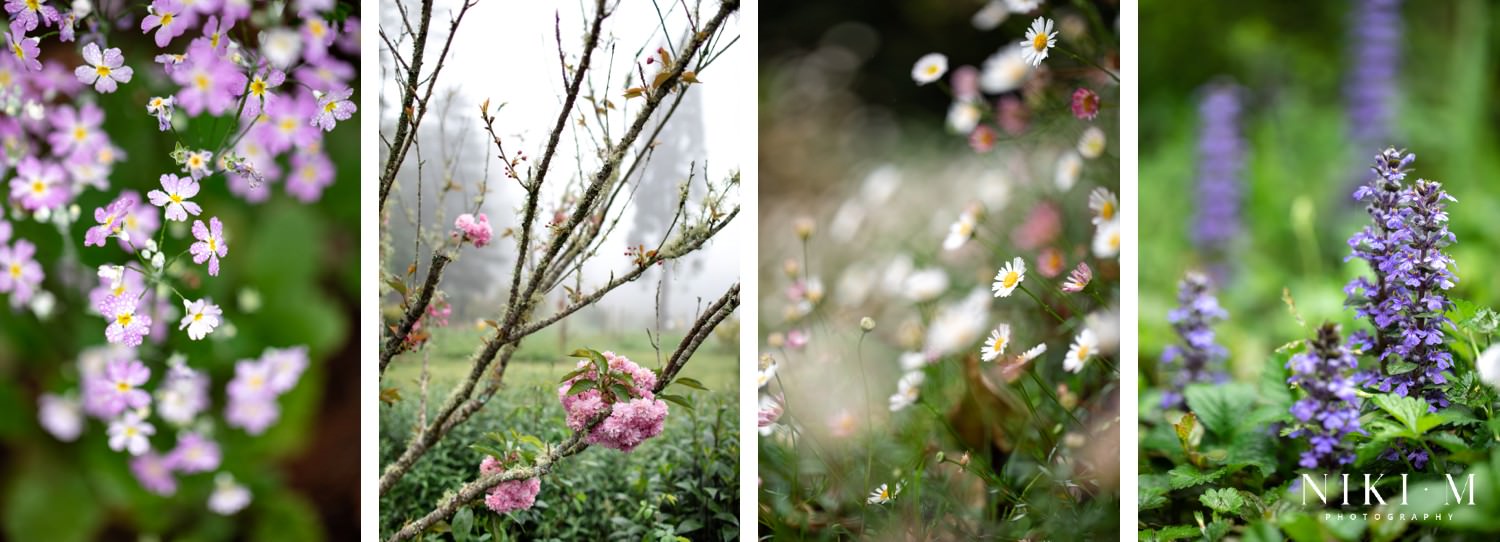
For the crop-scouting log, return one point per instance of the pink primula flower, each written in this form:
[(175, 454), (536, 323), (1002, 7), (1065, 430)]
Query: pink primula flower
[(210, 245), (20, 275), (105, 70), (332, 107), (174, 197), (169, 18)]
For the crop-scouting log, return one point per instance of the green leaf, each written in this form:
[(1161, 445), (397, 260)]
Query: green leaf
[(1185, 476), (573, 375), (1400, 366), (622, 393), (45, 501), (582, 386), (582, 353), (677, 400), (533, 441), (1406, 410), (462, 525), (1223, 500), (1220, 407), (691, 383), (1175, 532), (487, 450), (398, 285)]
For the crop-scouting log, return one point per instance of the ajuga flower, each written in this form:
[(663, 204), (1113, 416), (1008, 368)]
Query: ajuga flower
[(510, 495), (1406, 301), (1375, 47), (1330, 408), (1220, 165), (1197, 358)]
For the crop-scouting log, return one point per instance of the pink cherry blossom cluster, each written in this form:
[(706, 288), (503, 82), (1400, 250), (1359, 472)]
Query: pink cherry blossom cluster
[(511, 495), (473, 229), (629, 423)]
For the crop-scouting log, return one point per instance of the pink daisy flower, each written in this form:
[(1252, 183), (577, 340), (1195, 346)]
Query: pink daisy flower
[(1085, 104)]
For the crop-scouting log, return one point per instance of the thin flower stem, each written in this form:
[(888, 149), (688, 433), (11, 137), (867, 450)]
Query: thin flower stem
[(869, 412), (1052, 396), (1039, 302), (1080, 58)]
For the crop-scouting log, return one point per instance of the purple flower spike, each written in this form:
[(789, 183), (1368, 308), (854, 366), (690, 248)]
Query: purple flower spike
[(1330, 409), (1405, 301), (1199, 354), (1216, 221)]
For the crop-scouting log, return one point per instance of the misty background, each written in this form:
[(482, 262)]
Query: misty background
[(506, 53)]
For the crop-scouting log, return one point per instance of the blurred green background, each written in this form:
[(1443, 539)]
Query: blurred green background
[(290, 278), (1291, 60)]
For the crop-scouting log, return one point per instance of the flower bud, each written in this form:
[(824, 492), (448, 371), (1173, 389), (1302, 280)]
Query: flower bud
[(867, 324)]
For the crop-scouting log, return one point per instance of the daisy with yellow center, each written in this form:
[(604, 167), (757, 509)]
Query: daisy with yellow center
[(1040, 38), (1009, 278), (1084, 347), (929, 68), (995, 347), (884, 494), (1091, 144), (1104, 204), (1107, 239)]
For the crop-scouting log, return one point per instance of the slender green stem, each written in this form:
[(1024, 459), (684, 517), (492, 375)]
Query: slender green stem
[(1039, 302), (1080, 58), (1052, 396)]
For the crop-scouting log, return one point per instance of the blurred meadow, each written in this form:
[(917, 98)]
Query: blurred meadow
[(1258, 122), (886, 209)]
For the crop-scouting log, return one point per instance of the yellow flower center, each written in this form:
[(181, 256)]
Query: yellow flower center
[(106, 155), (1039, 42), (129, 431), (1114, 240), (213, 244), (201, 81), (195, 161), (329, 108), (316, 28), (258, 87), (166, 19), (103, 71), (1083, 352), (1011, 279), (176, 198), (932, 69), (214, 40), (20, 54), (15, 270), (999, 345), (197, 316), (34, 5), (1107, 211), (38, 187), (122, 386), (288, 125), (79, 134), (119, 290), (124, 318)]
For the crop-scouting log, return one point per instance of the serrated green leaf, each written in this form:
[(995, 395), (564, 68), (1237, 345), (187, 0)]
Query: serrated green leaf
[(1175, 532), (1406, 410), (1225, 501), (1185, 476), (1220, 407)]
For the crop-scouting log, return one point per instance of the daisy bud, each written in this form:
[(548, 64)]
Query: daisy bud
[(963, 460), (804, 228), (940, 456), (867, 324), (158, 261), (791, 268)]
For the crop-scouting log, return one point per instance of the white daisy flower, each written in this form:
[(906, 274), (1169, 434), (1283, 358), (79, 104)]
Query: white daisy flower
[(1004, 71), (957, 325), (884, 494), (994, 347), (963, 116), (929, 68), (963, 230), (766, 372), (1034, 352), (1009, 277), (991, 15), (1104, 204), (912, 361), (201, 318), (1023, 6), (1083, 348), (906, 390), (1069, 166), (1091, 144), (1039, 39), (1107, 240), (926, 285)]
